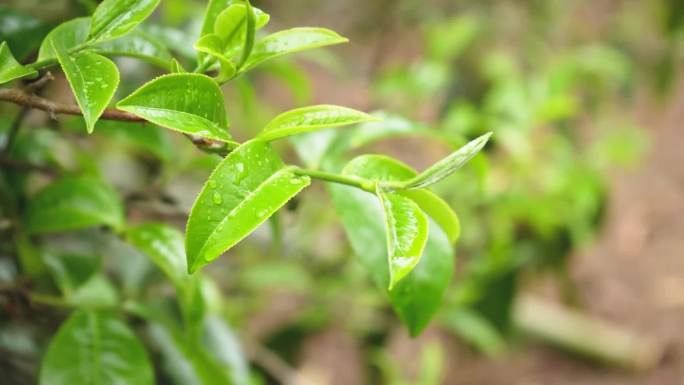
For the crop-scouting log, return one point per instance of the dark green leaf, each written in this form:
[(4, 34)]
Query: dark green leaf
[(71, 271), (311, 118), (246, 188), (23, 33), (93, 348), (114, 18), (291, 41), (438, 210), (10, 69), (74, 203), (189, 103), (93, 80), (448, 165)]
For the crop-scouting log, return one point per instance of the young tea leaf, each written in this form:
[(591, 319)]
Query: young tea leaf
[(246, 188), (164, 246), (95, 348), (73, 203), (10, 69), (114, 18), (448, 165), (189, 103), (311, 118), (93, 79), (417, 297), (407, 231), (290, 41), (437, 209), (250, 31)]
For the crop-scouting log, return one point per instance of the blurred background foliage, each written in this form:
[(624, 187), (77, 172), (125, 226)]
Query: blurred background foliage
[(556, 81)]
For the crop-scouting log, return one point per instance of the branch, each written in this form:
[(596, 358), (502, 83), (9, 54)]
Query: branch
[(25, 99)]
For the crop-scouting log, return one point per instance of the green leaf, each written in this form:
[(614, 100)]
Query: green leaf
[(71, 271), (214, 46), (22, 32), (383, 168), (448, 165), (10, 69), (137, 44), (114, 18), (184, 360), (93, 348), (417, 297), (164, 246), (438, 210), (223, 343), (291, 41), (73, 203), (247, 187), (407, 231), (311, 118), (250, 32), (93, 80), (189, 103)]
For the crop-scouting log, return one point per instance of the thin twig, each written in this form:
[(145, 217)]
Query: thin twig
[(26, 99), (25, 166)]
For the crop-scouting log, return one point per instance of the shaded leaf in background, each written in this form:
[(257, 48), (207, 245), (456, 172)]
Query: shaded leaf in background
[(71, 271), (189, 103), (137, 44), (10, 69), (114, 18), (95, 348), (22, 33), (164, 246), (248, 186), (73, 203), (93, 80)]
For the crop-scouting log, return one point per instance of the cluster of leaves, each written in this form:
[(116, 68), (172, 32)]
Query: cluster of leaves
[(402, 232)]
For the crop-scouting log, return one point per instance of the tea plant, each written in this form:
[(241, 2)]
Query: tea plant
[(402, 232)]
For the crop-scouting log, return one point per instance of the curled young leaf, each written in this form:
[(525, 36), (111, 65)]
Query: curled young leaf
[(311, 118), (417, 297), (114, 18), (244, 190), (93, 79), (407, 231), (448, 165), (290, 41), (95, 348), (10, 69), (189, 103), (73, 203)]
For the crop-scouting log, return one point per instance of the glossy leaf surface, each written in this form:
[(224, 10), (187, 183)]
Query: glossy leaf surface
[(74, 203), (93, 80), (311, 118), (10, 69), (417, 297), (448, 165), (244, 190), (93, 348), (291, 41), (407, 231), (114, 18), (189, 103)]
